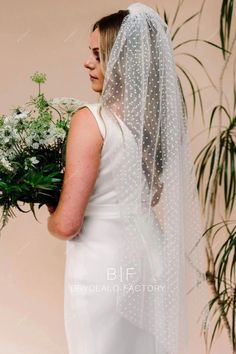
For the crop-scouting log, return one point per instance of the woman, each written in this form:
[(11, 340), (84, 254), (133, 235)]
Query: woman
[(128, 207)]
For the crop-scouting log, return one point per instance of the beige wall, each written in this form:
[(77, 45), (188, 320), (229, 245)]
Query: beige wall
[(52, 37)]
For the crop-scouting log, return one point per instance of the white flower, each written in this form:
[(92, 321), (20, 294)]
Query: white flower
[(28, 141), (60, 133), (6, 164), (8, 120), (30, 161), (6, 139), (65, 100), (11, 154), (66, 104), (35, 145), (21, 115), (14, 133), (34, 160)]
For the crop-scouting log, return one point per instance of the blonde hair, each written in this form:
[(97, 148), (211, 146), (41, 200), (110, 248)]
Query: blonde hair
[(108, 28)]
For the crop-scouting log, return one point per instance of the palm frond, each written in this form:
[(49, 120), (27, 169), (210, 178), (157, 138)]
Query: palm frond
[(225, 23), (226, 173), (183, 23)]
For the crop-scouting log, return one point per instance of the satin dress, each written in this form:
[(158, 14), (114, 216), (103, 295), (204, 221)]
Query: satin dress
[(92, 325)]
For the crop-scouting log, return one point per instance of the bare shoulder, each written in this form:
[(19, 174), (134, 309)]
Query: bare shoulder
[(83, 124), (82, 113)]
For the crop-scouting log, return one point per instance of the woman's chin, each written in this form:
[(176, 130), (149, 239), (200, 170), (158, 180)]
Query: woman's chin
[(96, 89)]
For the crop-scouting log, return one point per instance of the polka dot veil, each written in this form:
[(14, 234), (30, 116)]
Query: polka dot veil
[(162, 250)]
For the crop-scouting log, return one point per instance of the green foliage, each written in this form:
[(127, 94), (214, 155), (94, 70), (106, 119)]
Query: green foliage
[(224, 278), (32, 152), (184, 73), (226, 23), (226, 174)]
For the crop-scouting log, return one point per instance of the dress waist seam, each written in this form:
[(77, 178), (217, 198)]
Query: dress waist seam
[(108, 210), (103, 210)]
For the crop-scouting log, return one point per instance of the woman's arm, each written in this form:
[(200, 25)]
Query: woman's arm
[(83, 148)]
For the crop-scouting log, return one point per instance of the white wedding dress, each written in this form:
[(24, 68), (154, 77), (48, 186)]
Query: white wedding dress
[(92, 324)]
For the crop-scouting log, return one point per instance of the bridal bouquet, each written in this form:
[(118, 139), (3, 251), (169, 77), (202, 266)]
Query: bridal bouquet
[(32, 151)]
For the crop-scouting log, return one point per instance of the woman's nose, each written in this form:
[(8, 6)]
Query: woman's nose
[(89, 63)]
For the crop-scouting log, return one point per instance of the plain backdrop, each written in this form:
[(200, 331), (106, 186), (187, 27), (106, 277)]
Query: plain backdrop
[(53, 37)]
